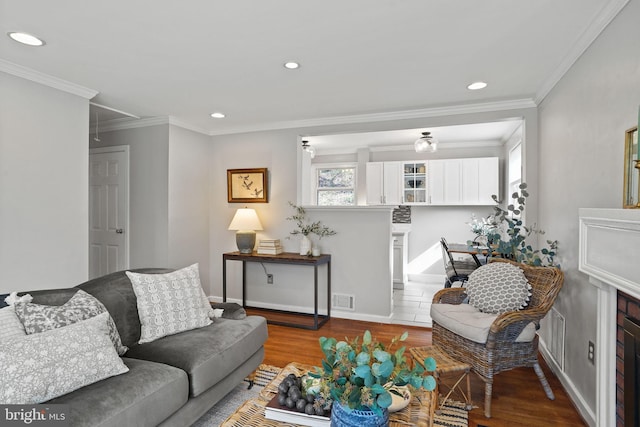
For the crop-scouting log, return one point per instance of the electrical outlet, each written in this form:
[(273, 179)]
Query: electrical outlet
[(269, 279), (591, 355)]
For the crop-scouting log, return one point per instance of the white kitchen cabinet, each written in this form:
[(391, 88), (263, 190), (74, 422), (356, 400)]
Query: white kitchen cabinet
[(445, 182), (463, 181), (480, 180), (414, 183), (383, 183)]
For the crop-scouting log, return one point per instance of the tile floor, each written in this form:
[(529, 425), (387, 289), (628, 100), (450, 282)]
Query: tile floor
[(411, 305)]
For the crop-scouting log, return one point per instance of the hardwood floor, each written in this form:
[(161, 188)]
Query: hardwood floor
[(518, 397)]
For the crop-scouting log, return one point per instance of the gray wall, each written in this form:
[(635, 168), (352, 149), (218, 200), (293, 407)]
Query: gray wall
[(582, 127), (44, 162)]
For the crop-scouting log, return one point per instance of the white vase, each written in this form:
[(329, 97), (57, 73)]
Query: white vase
[(305, 245)]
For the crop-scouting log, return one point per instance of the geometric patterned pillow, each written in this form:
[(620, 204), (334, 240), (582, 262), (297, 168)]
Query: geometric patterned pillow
[(82, 306), (170, 303), (39, 367), (10, 325), (497, 288)]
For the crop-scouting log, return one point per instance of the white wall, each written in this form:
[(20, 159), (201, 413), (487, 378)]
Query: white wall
[(44, 161), (582, 127), (148, 185), (188, 200)]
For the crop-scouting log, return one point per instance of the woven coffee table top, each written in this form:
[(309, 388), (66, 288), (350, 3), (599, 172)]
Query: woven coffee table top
[(251, 413)]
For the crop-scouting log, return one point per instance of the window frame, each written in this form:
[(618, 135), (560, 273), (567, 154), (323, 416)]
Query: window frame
[(342, 165)]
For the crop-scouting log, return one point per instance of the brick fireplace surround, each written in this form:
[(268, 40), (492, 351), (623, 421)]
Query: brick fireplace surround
[(628, 306)]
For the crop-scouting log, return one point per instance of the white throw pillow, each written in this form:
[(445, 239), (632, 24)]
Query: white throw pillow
[(170, 303), (497, 288), (40, 367), (10, 325)]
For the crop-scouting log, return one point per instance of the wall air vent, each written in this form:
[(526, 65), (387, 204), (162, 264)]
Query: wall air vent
[(343, 302)]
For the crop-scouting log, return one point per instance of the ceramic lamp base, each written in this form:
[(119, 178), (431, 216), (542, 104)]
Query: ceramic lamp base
[(246, 241)]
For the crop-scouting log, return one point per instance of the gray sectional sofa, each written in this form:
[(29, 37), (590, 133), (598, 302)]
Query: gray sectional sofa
[(171, 381)]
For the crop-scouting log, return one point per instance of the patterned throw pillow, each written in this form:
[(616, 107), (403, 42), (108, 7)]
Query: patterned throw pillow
[(42, 366), (82, 306), (10, 325), (497, 288), (170, 303)]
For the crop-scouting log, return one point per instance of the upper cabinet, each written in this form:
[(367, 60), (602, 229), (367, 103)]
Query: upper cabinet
[(434, 182), (414, 182), (384, 183), (463, 181)]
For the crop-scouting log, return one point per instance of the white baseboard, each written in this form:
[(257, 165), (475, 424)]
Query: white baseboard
[(585, 411), (309, 310)]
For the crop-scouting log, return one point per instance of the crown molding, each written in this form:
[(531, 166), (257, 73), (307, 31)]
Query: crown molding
[(392, 115), (45, 79), (132, 123), (598, 24)]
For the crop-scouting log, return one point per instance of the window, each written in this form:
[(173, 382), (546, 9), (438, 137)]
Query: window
[(334, 185)]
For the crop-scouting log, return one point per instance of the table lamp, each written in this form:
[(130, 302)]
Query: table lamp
[(246, 222)]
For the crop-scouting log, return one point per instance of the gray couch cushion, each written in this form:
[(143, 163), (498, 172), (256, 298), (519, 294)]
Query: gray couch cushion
[(207, 354), (144, 396)]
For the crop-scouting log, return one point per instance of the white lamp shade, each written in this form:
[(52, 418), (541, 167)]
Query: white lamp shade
[(245, 219)]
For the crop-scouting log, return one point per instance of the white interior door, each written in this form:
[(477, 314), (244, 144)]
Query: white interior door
[(108, 210)]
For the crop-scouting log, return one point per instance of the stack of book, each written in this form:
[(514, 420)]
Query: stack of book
[(270, 247)]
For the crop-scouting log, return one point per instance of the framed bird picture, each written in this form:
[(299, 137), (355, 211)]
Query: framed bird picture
[(247, 185)]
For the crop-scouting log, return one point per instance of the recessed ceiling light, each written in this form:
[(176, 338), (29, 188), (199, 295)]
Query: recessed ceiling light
[(218, 115), (291, 65), (477, 85), (26, 38)]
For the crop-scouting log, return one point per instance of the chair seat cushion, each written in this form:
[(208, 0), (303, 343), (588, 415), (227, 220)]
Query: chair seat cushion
[(207, 354), (470, 323)]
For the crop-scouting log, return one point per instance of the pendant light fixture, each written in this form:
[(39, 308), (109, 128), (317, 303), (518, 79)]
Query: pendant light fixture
[(309, 149), (426, 143)]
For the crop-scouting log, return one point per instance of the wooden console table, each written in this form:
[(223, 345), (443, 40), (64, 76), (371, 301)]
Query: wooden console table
[(284, 258)]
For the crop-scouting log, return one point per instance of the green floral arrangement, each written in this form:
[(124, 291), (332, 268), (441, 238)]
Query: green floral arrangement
[(305, 227), (507, 235), (361, 374)]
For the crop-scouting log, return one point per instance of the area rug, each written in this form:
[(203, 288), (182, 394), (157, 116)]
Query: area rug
[(453, 414)]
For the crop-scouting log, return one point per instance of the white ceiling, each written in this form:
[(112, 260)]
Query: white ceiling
[(358, 57)]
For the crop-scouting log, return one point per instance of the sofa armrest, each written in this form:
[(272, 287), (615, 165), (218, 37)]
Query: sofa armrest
[(450, 296), (231, 310)]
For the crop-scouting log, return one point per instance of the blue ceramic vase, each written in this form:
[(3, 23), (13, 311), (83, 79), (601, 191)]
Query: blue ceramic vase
[(344, 417)]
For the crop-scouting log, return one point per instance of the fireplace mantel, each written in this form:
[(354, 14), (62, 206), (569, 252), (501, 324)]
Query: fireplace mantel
[(609, 252)]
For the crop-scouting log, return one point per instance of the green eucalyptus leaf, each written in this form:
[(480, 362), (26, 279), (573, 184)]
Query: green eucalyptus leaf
[(404, 336), (362, 371), (384, 399), (363, 358), (429, 383), (341, 381), (386, 368), (416, 381), (430, 364), (378, 389), (366, 338), (381, 355)]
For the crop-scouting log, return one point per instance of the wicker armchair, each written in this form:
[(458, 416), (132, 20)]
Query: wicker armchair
[(502, 351)]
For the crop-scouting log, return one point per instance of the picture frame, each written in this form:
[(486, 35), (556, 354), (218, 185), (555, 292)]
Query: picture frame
[(247, 185), (631, 192)]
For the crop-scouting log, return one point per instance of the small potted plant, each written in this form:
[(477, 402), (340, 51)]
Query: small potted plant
[(306, 227), (359, 377)]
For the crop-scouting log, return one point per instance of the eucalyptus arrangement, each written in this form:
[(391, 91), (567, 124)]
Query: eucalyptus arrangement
[(305, 227), (361, 374), (507, 234)]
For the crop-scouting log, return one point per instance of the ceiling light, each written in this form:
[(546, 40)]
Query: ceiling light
[(477, 85), (426, 143), (26, 38), (291, 65), (309, 149), (218, 115)]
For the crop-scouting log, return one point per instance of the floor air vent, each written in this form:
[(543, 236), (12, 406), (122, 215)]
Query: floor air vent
[(343, 302)]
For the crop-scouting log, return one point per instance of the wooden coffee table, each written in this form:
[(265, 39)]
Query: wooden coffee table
[(251, 414)]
